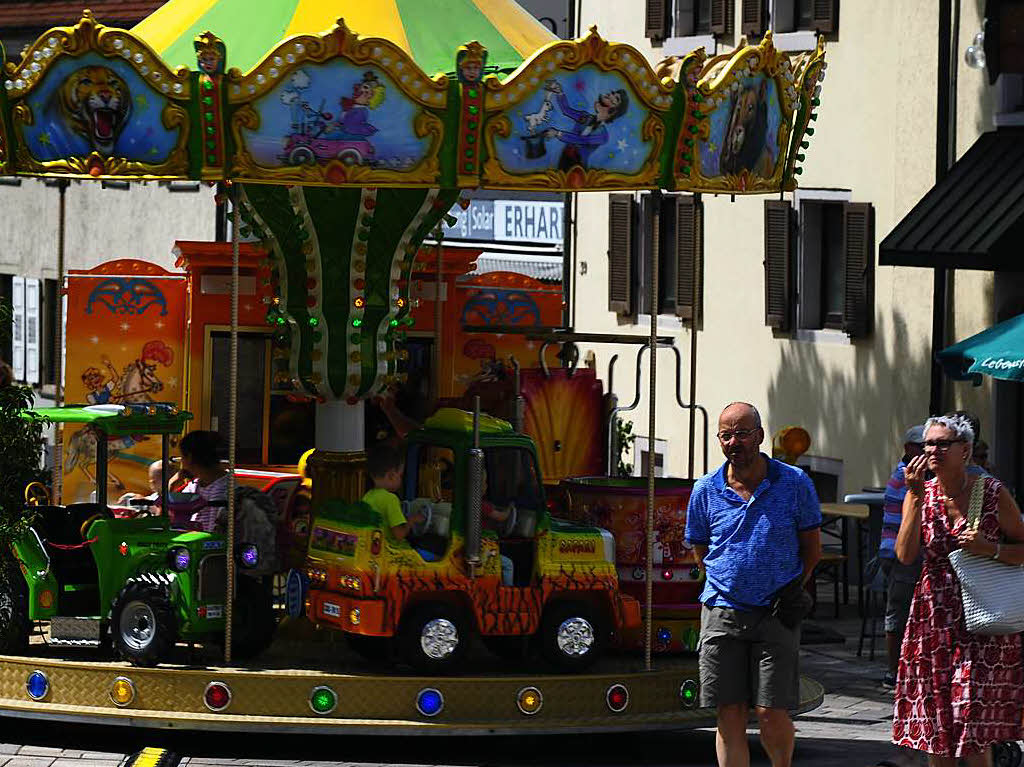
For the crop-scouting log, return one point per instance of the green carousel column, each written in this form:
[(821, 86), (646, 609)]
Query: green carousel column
[(337, 282), (338, 467)]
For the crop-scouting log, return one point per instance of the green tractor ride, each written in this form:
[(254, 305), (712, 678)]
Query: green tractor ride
[(123, 576)]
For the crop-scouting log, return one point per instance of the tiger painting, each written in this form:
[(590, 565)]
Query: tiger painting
[(96, 103)]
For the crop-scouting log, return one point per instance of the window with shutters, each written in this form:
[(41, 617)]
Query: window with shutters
[(6, 318), (797, 23), (687, 23), (832, 276), (48, 341), (680, 255)]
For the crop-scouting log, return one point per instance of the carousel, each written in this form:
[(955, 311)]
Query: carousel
[(341, 144)]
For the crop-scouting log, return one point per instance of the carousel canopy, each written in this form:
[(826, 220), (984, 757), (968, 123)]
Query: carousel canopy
[(350, 128), (429, 31)]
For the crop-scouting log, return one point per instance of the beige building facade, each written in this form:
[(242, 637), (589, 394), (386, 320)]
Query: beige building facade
[(874, 143)]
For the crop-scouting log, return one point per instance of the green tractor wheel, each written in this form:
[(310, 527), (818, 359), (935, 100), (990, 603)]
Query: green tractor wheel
[(142, 621), (15, 625)]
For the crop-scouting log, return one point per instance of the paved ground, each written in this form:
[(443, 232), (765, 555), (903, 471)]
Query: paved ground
[(850, 729)]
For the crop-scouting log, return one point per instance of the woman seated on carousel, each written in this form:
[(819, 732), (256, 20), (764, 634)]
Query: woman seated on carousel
[(206, 476)]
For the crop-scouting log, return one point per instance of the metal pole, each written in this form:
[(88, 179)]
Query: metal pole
[(438, 315), (568, 261), (694, 296), (57, 480), (655, 200), (943, 119), (165, 474), (236, 223)]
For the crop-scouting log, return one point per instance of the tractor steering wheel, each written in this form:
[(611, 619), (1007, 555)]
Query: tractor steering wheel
[(510, 521), (426, 508), (85, 525), (36, 494)]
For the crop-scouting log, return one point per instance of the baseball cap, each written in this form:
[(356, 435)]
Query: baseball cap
[(914, 435)]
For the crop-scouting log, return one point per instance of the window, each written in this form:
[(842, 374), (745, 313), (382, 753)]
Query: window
[(641, 455), (804, 15), (687, 18), (753, 18), (272, 428), (49, 342), (181, 186), (24, 329), (7, 315), (819, 265), (680, 262), (512, 478)]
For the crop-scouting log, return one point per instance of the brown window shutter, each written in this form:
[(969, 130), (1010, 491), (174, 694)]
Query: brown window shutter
[(689, 258), (859, 251), (720, 16), (620, 253), (656, 17), (778, 243), (824, 15), (752, 18)]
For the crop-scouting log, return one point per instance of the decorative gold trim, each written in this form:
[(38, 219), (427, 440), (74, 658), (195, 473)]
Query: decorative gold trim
[(715, 83), (810, 70), (339, 42), (87, 36), (569, 56)]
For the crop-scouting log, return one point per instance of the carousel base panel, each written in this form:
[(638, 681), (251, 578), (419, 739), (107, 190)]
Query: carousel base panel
[(317, 686)]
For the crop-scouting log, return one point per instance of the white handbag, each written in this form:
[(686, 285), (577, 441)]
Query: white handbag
[(991, 590)]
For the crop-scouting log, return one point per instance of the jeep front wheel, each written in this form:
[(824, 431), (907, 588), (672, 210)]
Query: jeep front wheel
[(142, 621), (433, 638), (572, 636)]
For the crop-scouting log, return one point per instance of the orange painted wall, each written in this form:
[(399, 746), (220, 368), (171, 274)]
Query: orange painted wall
[(125, 343)]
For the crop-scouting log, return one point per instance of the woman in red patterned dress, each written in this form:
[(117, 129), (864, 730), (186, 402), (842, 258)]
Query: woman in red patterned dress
[(957, 693)]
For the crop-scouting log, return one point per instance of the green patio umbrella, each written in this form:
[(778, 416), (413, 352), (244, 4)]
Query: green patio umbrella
[(996, 352)]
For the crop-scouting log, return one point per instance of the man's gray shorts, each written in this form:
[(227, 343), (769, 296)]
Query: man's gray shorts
[(748, 656), (900, 582)]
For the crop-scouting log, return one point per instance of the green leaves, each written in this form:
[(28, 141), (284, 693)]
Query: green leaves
[(21, 445), (624, 438)]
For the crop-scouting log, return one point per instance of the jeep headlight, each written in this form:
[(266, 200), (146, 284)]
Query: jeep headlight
[(178, 559), (248, 555)]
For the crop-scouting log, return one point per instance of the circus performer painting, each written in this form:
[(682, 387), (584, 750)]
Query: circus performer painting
[(137, 382), (589, 131)]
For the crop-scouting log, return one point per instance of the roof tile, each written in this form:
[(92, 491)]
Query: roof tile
[(43, 15)]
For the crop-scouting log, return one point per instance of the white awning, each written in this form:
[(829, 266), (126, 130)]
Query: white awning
[(546, 268)]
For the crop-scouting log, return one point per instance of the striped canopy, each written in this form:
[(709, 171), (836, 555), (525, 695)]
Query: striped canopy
[(428, 30)]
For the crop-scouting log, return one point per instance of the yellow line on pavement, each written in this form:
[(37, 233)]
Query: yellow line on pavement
[(153, 757)]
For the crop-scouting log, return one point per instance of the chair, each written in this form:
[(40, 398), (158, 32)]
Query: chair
[(873, 607), (831, 564)]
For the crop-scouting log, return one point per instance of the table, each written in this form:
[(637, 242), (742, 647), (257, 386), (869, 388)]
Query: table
[(860, 514)]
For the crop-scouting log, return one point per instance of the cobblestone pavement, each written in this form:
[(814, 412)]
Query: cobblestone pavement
[(850, 729)]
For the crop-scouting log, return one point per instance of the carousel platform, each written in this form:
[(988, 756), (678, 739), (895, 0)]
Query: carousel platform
[(309, 681)]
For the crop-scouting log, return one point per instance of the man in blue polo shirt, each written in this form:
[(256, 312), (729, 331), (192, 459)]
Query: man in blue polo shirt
[(754, 525)]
